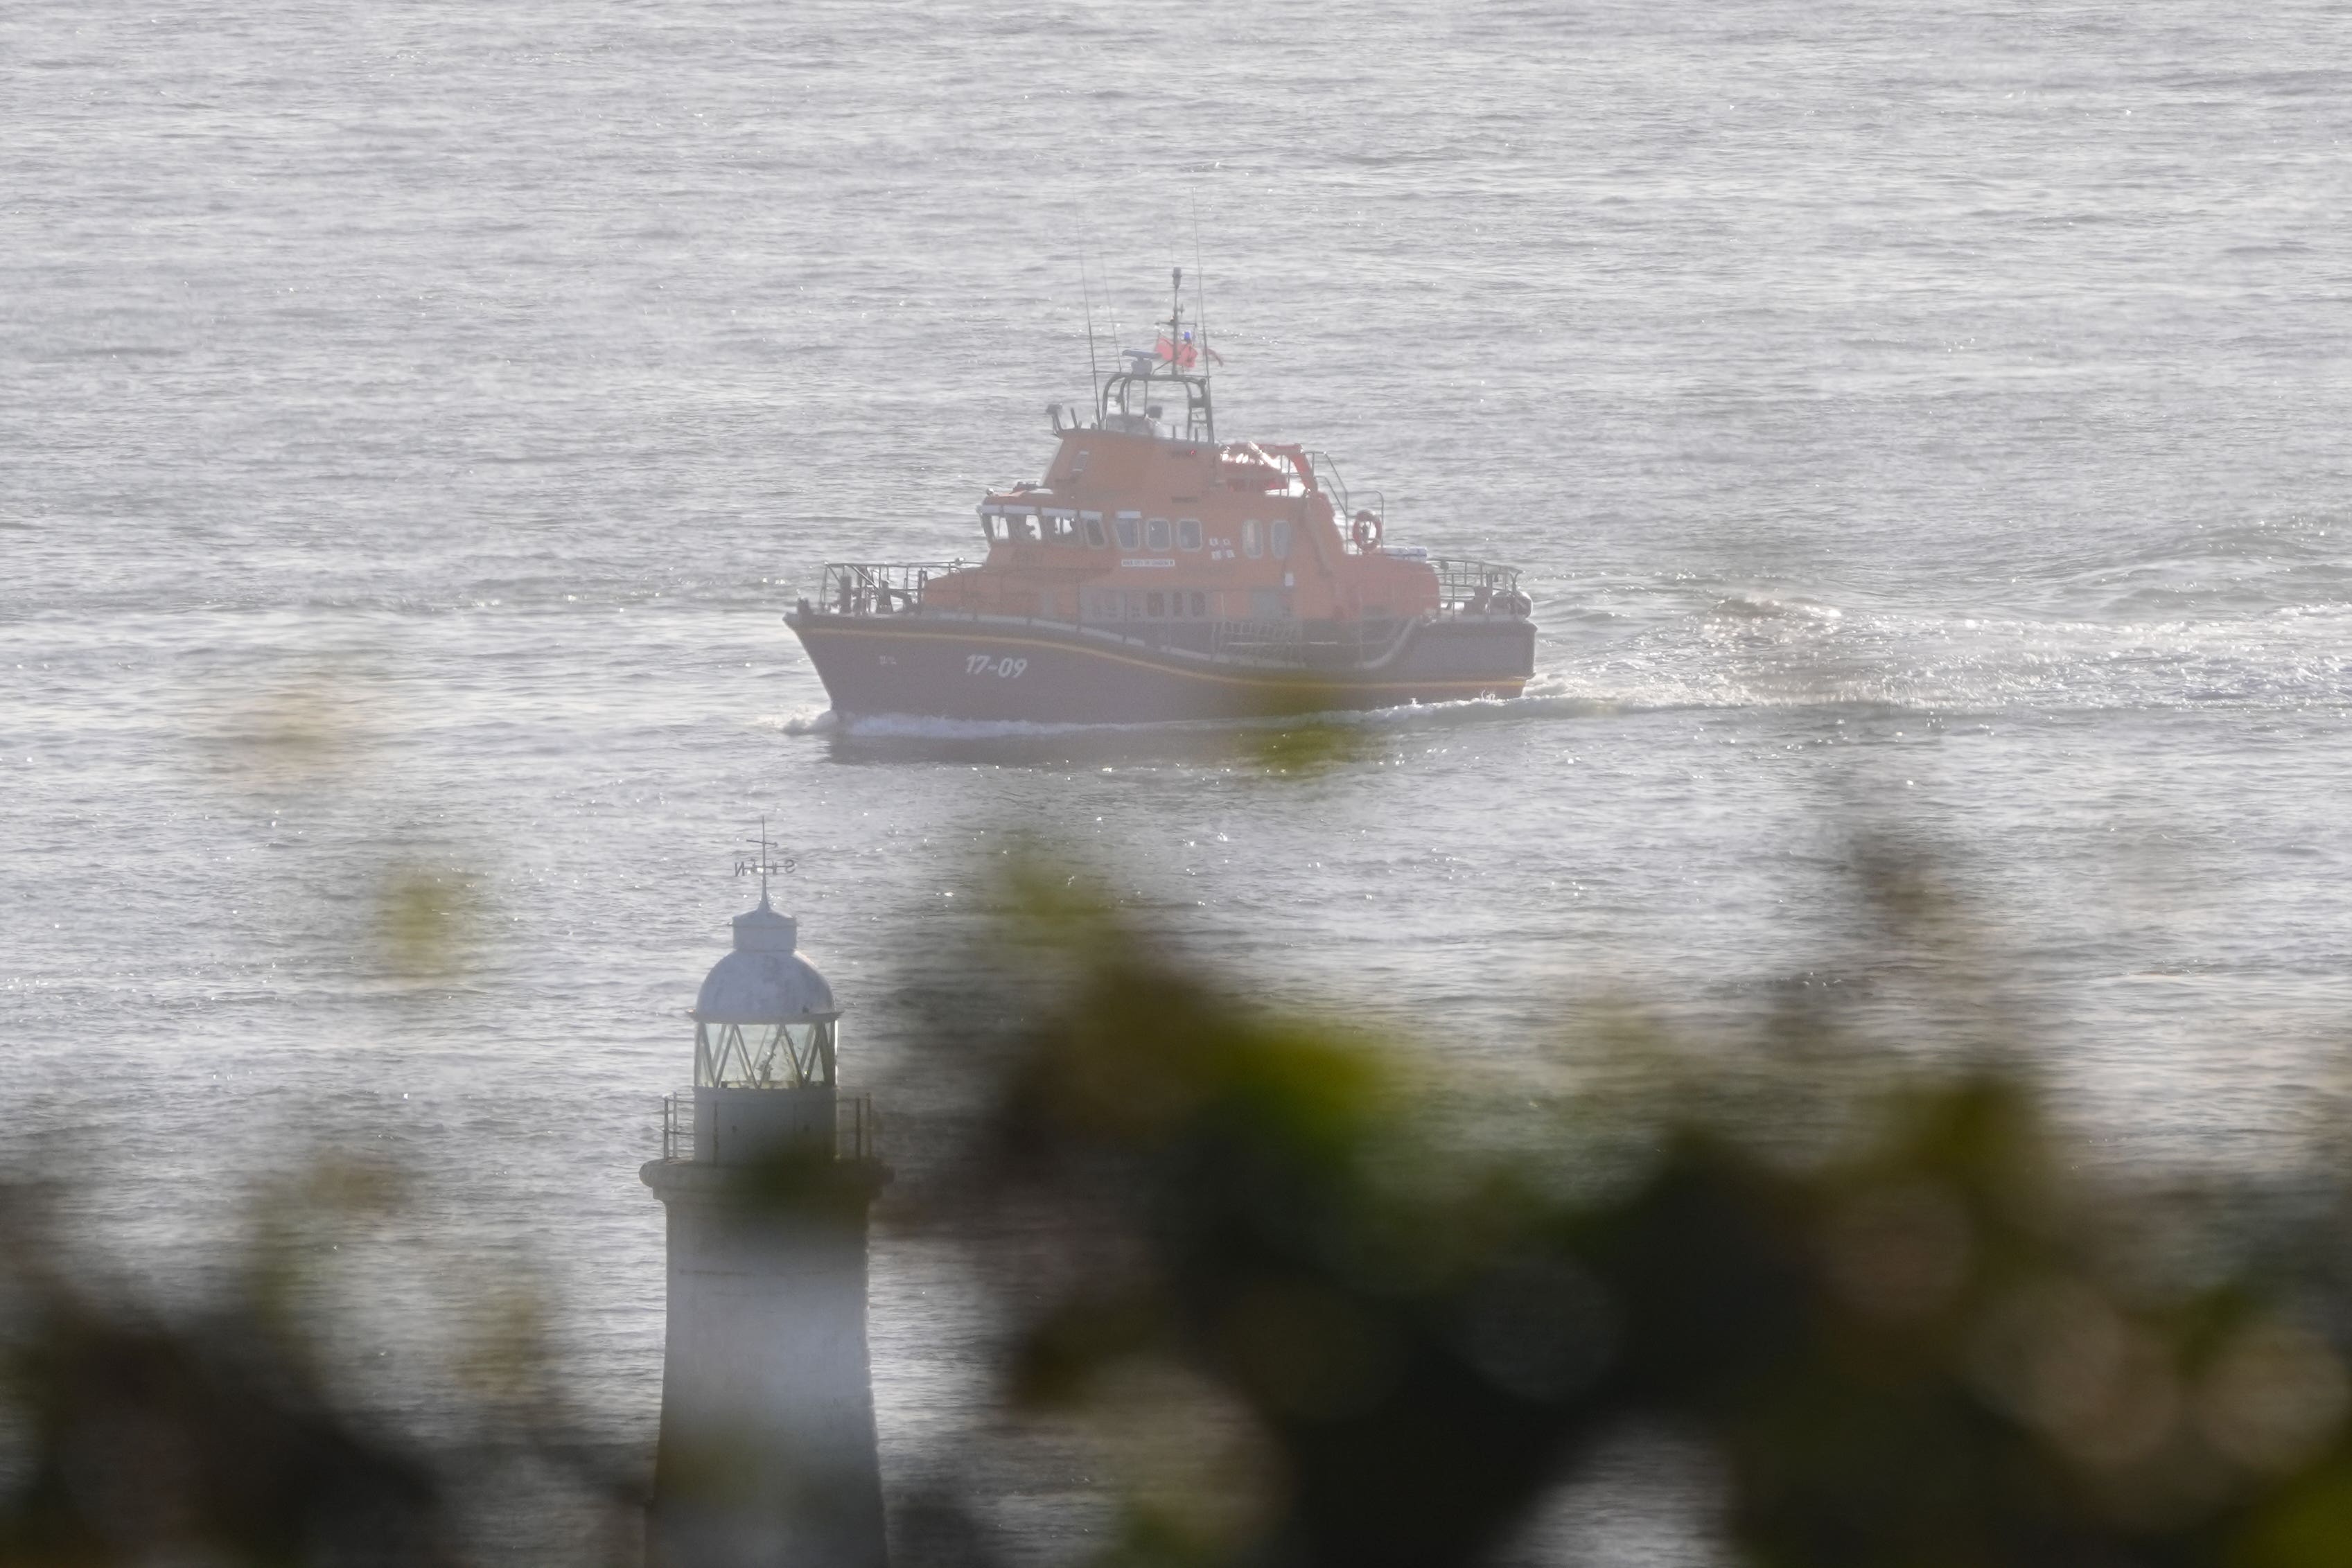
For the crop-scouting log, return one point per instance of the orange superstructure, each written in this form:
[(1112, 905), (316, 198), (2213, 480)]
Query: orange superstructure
[(1125, 521)]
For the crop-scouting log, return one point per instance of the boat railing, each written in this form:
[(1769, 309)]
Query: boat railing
[(1326, 474), (1477, 586), (880, 588)]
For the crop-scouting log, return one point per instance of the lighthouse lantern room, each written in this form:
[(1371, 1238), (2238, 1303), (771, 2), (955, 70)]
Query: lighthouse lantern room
[(765, 1019), (766, 1044)]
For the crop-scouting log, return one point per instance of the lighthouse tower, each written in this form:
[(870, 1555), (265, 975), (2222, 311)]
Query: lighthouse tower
[(767, 1453)]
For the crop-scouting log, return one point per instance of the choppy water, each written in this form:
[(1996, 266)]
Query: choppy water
[(1929, 416)]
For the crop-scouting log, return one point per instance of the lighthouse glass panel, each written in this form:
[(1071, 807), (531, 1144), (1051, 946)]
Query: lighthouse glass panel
[(763, 1055)]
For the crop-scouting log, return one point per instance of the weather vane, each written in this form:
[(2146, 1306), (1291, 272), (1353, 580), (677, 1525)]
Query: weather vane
[(765, 864)]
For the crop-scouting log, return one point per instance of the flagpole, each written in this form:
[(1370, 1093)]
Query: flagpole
[(1200, 284)]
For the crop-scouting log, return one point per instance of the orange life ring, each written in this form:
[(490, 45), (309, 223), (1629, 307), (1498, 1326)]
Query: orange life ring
[(1366, 533)]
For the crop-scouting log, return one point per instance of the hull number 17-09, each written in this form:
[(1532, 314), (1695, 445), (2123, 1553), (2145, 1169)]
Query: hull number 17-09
[(1006, 669)]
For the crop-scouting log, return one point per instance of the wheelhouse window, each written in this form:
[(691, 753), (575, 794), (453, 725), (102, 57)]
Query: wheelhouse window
[(994, 525), (1188, 533), (1251, 547), (1062, 528), (1095, 538), (1278, 537), (1026, 527), (1155, 533), (1130, 525)]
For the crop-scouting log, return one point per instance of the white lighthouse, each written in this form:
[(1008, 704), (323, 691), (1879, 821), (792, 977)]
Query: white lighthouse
[(767, 1453)]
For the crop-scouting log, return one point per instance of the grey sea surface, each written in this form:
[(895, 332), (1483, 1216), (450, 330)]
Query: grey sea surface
[(414, 419)]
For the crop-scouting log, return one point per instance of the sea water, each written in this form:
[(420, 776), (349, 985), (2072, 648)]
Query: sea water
[(1920, 423)]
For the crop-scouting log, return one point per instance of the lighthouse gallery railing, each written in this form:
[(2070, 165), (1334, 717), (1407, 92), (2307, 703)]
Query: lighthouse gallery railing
[(856, 1128)]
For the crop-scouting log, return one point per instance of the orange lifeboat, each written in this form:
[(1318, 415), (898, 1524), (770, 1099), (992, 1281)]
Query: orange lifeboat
[(1157, 574)]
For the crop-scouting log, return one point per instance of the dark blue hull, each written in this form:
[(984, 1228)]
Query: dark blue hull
[(1038, 671)]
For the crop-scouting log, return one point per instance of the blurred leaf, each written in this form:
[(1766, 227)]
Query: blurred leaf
[(428, 922), (1309, 746), (301, 732)]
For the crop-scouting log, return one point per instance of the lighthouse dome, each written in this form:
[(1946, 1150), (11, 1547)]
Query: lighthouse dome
[(763, 980)]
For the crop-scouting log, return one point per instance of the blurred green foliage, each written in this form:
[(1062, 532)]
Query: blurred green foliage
[(223, 1427), (1302, 747), (302, 749), (1313, 1301), (1885, 1294), (428, 922), (207, 1435), (304, 731)]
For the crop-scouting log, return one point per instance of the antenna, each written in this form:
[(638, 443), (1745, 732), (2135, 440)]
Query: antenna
[(1108, 304), (1200, 287), (765, 864), (1094, 375)]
